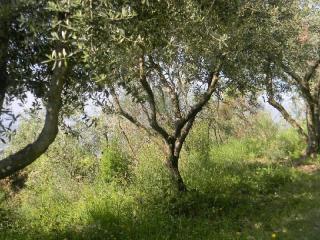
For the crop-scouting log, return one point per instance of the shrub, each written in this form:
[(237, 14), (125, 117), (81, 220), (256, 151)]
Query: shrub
[(114, 163)]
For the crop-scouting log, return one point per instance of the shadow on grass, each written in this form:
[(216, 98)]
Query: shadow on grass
[(248, 200), (231, 200)]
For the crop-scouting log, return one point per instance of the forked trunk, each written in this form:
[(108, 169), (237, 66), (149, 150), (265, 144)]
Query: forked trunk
[(173, 165)]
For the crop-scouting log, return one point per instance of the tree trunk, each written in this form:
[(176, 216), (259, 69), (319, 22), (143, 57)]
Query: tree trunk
[(313, 126), (31, 152), (4, 42), (173, 166), (284, 113)]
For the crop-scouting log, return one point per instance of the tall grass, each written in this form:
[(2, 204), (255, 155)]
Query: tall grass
[(243, 188)]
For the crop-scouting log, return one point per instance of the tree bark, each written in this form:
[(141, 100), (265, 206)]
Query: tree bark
[(288, 117), (173, 165), (313, 126), (4, 43), (31, 152)]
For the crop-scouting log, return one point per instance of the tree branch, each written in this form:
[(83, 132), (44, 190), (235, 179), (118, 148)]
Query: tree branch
[(303, 85), (151, 100), (125, 114), (311, 70), (184, 133), (213, 79), (291, 73), (285, 114), (172, 93)]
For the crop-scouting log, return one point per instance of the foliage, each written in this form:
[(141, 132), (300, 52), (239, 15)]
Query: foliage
[(241, 188), (114, 163), (105, 179)]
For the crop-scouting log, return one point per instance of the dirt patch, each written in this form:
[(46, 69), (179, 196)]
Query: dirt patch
[(312, 168)]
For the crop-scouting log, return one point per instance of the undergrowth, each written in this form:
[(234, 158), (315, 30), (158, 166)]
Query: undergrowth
[(243, 188)]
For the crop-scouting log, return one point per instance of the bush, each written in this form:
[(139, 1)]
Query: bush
[(152, 180), (234, 187), (291, 143), (286, 144), (115, 164)]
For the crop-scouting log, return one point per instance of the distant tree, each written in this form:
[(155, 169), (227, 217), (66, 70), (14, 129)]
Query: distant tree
[(300, 63), (285, 55)]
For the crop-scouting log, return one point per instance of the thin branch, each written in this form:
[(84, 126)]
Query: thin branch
[(213, 79), (303, 85), (172, 93), (151, 100), (285, 114), (311, 70), (125, 114)]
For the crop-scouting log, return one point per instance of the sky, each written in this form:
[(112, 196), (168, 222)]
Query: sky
[(18, 107)]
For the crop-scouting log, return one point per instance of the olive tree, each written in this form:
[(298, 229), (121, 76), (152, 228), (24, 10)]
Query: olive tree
[(56, 79), (170, 57), (45, 51), (299, 65), (285, 58)]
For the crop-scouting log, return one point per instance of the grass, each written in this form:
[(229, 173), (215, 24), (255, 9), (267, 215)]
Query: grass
[(242, 189)]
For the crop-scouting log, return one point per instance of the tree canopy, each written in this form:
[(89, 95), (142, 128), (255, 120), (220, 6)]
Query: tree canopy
[(168, 57)]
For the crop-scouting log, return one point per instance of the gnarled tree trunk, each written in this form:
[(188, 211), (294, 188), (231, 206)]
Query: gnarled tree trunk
[(172, 162), (31, 152), (4, 42), (313, 128)]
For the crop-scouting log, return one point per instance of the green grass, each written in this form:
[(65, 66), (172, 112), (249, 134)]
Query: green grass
[(251, 201), (243, 189)]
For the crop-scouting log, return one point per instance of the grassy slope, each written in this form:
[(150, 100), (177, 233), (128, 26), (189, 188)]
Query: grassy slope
[(237, 193)]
